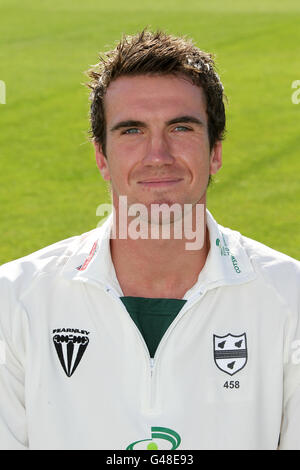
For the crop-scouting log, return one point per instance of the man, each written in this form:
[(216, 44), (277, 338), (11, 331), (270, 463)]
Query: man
[(116, 341)]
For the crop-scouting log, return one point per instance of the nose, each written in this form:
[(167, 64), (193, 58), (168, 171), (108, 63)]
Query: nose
[(158, 152)]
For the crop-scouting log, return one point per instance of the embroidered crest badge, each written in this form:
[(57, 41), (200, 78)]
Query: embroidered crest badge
[(230, 352)]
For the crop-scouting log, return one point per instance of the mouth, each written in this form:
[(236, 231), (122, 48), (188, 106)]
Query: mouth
[(160, 182)]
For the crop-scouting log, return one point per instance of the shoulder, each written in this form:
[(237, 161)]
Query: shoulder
[(271, 262), (278, 270), (22, 272)]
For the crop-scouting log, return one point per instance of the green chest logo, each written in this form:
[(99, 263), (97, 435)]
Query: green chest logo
[(161, 438)]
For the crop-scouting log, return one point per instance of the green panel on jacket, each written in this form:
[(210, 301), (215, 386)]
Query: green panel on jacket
[(152, 317)]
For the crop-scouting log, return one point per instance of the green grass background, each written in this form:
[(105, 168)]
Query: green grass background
[(49, 183)]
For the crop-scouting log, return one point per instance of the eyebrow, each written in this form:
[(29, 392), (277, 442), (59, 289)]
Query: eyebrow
[(187, 119), (129, 123), (179, 119)]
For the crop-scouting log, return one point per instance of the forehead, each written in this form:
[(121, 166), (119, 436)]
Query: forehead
[(152, 96)]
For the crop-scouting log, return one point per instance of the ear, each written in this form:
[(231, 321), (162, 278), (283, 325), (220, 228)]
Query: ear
[(216, 158), (101, 161)]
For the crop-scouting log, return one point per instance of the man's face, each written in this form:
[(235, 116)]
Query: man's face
[(157, 145)]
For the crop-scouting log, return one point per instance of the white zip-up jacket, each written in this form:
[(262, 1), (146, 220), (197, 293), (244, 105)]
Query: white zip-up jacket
[(75, 371)]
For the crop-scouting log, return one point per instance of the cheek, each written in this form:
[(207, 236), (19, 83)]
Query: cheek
[(119, 169), (127, 152), (195, 155)]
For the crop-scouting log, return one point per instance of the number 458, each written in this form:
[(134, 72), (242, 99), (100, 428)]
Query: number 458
[(232, 384)]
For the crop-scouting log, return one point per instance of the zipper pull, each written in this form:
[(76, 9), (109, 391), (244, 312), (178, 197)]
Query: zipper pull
[(151, 365)]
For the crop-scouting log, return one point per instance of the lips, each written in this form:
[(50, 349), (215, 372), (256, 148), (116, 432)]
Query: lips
[(160, 182)]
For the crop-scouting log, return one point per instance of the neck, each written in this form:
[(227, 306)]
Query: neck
[(160, 268)]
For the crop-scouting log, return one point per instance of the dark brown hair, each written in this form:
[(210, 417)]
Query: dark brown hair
[(156, 53)]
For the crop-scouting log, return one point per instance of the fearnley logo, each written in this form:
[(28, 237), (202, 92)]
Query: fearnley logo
[(161, 439), (70, 345), (225, 251)]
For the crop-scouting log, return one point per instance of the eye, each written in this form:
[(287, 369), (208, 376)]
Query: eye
[(182, 128), (132, 130)]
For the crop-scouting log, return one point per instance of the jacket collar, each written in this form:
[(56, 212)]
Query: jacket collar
[(227, 262), (91, 262)]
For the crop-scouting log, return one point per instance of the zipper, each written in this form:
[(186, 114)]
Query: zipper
[(152, 362), (149, 407), (151, 365)]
